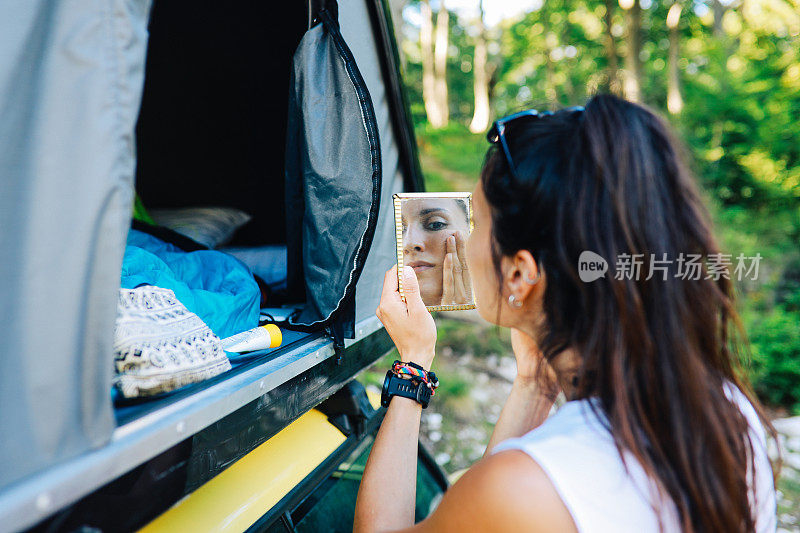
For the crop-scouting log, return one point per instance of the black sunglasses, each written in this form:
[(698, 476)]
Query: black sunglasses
[(497, 133)]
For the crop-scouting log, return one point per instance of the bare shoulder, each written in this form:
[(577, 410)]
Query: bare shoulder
[(507, 491)]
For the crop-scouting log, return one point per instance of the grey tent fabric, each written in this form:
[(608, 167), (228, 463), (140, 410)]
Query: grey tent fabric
[(354, 21), (333, 177), (71, 75)]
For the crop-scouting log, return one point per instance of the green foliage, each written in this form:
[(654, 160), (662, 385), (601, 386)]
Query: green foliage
[(452, 386), (742, 104), (555, 53), (478, 340), (454, 147), (775, 346), (452, 157)]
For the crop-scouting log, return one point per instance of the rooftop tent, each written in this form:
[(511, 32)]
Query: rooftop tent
[(211, 130), (203, 140)]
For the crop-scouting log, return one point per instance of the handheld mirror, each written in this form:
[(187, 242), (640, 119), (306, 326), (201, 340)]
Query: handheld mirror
[(432, 230)]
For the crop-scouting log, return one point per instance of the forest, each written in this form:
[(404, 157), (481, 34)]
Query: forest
[(725, 74)]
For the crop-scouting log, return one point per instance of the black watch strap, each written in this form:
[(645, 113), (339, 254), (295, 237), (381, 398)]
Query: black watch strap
[(394, 385)]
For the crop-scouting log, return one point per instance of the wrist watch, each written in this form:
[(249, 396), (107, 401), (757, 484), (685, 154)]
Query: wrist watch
[(394, 385)]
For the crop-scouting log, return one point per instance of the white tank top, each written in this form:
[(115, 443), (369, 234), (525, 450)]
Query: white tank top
[(578, 455)]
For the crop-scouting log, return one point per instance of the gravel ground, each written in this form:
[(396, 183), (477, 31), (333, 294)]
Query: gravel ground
[(789, 480)]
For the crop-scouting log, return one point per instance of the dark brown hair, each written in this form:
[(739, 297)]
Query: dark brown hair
[(657, 353)]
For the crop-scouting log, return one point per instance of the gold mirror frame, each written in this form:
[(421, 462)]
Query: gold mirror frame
[(398, 226)]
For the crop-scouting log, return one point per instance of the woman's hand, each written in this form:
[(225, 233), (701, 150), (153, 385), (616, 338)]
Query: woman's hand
[(408, 323), (529, 358), (456, 286)]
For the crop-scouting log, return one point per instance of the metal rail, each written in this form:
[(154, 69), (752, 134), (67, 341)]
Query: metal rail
[(34, 498)]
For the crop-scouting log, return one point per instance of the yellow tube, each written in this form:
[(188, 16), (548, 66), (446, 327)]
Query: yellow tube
[(260, 338), (245, 491)]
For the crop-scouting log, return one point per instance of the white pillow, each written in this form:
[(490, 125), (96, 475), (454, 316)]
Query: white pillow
[(211, 226)]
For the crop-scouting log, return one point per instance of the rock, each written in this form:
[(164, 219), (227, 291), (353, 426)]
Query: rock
[(508, 368), (788, 426), (793, 444), (792, 459), (480, 395), (434, 420)]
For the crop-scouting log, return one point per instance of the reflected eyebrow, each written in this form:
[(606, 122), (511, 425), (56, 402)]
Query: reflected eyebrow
[(431, 210)]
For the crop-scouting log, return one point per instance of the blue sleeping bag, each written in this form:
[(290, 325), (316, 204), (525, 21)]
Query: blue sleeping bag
[(214, 285)]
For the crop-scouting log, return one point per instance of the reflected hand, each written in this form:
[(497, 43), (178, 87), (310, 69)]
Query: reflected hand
[(409, 323), (456, 286), (529, 358)]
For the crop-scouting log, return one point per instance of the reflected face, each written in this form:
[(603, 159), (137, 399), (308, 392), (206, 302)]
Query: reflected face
[(427, 224)]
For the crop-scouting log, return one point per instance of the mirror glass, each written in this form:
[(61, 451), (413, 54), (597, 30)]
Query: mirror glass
[(432, 229)]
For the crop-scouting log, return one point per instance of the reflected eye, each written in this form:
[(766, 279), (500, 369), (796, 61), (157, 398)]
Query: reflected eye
[(435, 225)]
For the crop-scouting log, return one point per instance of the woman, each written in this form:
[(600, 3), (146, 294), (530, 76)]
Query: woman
[(434, 235), (657, 433)]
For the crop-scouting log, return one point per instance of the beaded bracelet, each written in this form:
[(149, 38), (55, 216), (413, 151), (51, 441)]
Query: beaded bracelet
[(416, 372)]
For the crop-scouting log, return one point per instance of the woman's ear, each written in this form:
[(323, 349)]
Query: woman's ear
[(521, 274)]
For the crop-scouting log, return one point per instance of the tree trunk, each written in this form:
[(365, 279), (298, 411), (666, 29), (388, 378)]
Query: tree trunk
[(612, 67), (632, 84), (569, 87), (428, 74), (674, 98), (636, 47), (729, 42), (480, 116), (719, 12), (396, 8), (440, 59)]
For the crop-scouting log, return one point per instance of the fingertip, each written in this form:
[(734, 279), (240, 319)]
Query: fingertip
[(409, 276), (390, 282)]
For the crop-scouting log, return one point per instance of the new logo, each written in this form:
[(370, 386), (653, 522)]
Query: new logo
[(591, 266)]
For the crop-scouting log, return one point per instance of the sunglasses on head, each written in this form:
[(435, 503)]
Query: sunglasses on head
[(497, 133)]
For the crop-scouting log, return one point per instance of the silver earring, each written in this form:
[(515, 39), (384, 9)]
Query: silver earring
[(513, 302), (533, 281)]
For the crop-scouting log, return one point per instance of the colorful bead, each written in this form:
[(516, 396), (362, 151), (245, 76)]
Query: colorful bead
[(429, 378)]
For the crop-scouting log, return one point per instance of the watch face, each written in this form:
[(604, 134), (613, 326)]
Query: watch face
[(385, 391), (423, 394)]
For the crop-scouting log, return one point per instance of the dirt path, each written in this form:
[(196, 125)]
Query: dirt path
[(452, 180)]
